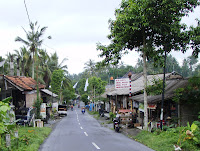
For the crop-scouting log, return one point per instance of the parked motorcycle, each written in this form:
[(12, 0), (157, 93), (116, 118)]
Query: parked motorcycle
[(116, 123), (101, 112)]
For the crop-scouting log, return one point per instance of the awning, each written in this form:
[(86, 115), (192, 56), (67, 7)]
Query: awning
[(49, 92)]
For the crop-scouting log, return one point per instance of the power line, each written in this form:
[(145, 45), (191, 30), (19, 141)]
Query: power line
[(49, 47), (27, 12)]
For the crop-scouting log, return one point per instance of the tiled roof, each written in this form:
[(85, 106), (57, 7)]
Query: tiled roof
[(25, 83)]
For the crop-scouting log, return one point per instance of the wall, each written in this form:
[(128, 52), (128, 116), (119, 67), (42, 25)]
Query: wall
[(189, 113), (31, 98)]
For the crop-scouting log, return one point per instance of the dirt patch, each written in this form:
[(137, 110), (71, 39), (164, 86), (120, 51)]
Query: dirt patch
[(105, 122)]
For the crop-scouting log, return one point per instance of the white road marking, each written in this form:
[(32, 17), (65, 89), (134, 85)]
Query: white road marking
[(97, 147), (79, 123), (81, 127), (85, 134)]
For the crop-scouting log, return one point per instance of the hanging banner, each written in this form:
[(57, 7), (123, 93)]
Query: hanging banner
[(122, 83)]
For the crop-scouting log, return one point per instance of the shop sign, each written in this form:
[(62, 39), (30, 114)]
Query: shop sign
[(152, 106), (122, 83)]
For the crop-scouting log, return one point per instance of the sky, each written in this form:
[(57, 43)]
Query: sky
[(75, 27)]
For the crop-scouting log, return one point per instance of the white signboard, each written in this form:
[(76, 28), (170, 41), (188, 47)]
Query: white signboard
[(122, 83), (43, 110)]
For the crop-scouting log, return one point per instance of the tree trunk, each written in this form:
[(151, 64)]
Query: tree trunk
[(33, 67), (145, 84), (23, 70), (11, 66), (18, 71), (145, 93)]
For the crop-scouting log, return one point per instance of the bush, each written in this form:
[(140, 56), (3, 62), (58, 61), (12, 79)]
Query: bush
[(112, 115)]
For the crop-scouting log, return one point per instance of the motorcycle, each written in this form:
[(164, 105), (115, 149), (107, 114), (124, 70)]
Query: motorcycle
[(101, 113), (83, 111), (116, 123)]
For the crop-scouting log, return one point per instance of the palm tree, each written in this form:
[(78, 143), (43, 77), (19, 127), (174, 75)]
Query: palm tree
[(10, 58), (90, 67), (55, 65), (24, 57), (33, 40), (44, 67)]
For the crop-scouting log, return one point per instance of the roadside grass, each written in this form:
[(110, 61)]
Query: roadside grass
[(30, 138), (93, 112), (165, 140), (109, 122)]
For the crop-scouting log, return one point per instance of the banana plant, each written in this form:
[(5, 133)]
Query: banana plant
[(191, 133), (6, 126)]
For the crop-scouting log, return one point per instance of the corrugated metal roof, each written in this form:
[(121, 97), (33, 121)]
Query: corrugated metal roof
[(49, 92), (137, 83), (25, 83), (171, 86)]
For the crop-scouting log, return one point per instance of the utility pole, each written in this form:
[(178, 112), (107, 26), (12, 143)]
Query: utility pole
[(163, 93)]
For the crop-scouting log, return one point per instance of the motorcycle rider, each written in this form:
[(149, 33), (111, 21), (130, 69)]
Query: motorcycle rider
[(83, 110), (72, 107)]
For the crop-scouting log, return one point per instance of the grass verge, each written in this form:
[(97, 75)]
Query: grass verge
[(30, 138), (164, 140)]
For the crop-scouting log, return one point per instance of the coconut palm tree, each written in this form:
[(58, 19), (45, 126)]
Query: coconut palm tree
[(44, 67), (56, 65), (90, 67), (24, 57), (33, 40), (10, 58)]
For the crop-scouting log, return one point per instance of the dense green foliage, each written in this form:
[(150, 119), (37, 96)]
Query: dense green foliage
[(155, 88), (189, 94), (84, 98), (68, 94), (96, 86), (95, 89), (57, 79)]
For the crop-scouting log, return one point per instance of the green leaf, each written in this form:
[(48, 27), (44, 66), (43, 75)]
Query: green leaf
[(195, 139), (193, 127), (4, 108)]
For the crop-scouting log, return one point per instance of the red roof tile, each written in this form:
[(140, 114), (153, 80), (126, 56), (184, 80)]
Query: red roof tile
[(25, 83)]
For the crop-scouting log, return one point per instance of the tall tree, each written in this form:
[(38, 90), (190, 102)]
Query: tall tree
[(130, 31), (142, 25), (33, 40)]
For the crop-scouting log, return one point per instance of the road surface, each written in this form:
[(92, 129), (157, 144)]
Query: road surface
[(81, 132)]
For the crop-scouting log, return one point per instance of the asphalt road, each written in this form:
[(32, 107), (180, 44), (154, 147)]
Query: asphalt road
[(81, 132)]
